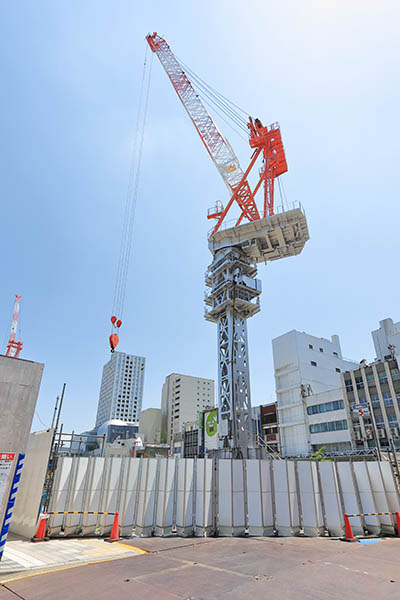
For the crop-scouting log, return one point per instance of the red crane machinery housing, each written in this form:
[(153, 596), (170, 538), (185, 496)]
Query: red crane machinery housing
[(265, 141), (14, 347)]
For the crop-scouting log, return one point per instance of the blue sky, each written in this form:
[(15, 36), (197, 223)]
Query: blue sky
[(327, 71)]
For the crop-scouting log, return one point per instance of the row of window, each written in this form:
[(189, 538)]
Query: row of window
[(321, 350), (395, 374), (387, 399), (316, 409), (315, 364), (331, 426)]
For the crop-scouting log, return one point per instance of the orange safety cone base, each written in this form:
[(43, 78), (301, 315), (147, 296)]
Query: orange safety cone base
[(348, 532), (114, 536), (40, 535)]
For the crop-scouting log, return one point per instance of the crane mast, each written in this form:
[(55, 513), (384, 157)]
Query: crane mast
[(233, 290), (14, 347)]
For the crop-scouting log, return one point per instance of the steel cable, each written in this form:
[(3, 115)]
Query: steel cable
[(131, 197)]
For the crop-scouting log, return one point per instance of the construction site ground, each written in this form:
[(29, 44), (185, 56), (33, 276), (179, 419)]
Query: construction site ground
[(215, 568)]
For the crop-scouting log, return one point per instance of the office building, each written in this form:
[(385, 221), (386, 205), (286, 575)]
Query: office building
[(387, 339), (304, 365), (327, 422), (183, 397), (121, 391), (372, 397), (150, 426), (269, 426), (116, 429)]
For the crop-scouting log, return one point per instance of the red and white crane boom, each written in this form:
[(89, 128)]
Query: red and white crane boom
[(13, 347), (265, 140), (217, 146)]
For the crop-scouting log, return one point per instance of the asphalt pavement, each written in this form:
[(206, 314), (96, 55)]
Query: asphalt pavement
[(229, 568)]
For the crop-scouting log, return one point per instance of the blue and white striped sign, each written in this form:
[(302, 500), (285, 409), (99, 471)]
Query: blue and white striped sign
[(10, 503)]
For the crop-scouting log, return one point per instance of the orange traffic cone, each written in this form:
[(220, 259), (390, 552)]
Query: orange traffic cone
[(397, 522), (40, 535), (348, 532), (114, 537)]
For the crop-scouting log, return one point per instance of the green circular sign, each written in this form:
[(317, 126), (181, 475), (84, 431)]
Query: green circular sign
[(211, 423)]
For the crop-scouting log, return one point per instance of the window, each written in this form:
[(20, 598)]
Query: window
[(359, 383), (326, 407), (382, 377), (392, 419), (337, 370), (311, 346), (330, 426), (387, 398), (349, 385), (395, 374), (379, 420), (375, 401), (321, 349), (314, 364)]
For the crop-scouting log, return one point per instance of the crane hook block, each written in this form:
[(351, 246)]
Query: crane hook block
[(118, 324), (114, 341), (113, 319)]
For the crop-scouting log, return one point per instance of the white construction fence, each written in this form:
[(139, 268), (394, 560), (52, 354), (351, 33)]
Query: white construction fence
[(221, 496)]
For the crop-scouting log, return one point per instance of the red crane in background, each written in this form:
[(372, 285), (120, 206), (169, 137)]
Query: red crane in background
[(13, 347), (266, 141)]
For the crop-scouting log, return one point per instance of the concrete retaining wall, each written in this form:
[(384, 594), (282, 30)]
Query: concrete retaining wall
[(30, 490)]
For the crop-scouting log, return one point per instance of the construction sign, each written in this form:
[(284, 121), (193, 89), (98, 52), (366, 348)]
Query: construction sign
[(10, 474), (210, 429)]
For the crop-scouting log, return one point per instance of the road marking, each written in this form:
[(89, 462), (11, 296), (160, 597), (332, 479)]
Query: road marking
[(134, 548), (56, 568)]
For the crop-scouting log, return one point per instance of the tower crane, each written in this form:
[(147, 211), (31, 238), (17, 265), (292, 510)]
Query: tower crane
[(265, 141), (266, 236), (14, 347)]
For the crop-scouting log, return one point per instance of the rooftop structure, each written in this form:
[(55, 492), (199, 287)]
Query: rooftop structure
[(387, 339)]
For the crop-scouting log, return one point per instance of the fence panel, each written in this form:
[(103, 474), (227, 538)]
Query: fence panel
[(91, 523), (204, 497), (147, 495), (372, 523), (381, 499), (330, 497), (287, 512), (349, 494), (254, 497), (267, 496), (185, 497), (311, 508), (166, 498), (127, 506), (77, 493), (59, 494)]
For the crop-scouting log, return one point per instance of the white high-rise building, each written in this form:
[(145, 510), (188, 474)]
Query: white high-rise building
[(183, 397), (304, 365), (121, 391), (387, 339)]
